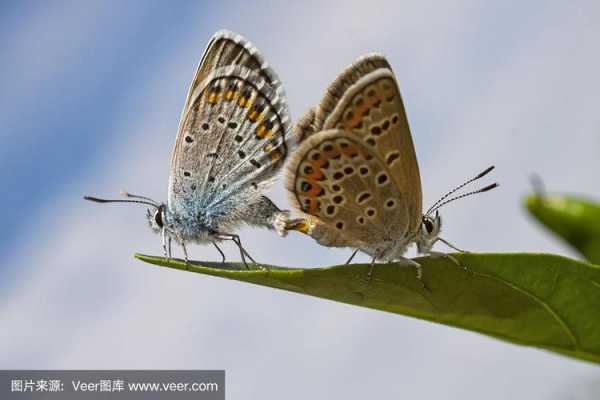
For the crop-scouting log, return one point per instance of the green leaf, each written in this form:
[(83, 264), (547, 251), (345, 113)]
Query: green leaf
[(575, 219), (540, 300)]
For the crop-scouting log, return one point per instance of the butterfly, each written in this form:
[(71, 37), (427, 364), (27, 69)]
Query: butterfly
[(233, 137), (355, 176)]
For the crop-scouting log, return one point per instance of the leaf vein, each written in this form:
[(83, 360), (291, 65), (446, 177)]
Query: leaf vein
[(561, 322)]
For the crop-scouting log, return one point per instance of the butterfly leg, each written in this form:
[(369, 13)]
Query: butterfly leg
[(265, 213), (447, 243), (370, 273), (352, 256), (185, 255), (164, 243), (169, 248), (236, 239), (220, 251), (372, 269), (243, 252), (413, 263), (449, 257), (418, 268)]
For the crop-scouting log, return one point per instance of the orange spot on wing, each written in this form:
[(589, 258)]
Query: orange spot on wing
[(253, 115), (315, 190), (213, 97), (229, 95), (320, 163), (350, 151), (262, 132), (361, 109), (314, 206), (333, 153), (275, 155), (317, 173), (243, 102)]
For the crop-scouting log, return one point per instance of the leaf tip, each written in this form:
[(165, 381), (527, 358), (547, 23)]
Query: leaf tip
[(143, 257)]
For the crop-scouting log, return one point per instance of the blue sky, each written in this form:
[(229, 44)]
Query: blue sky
[(63, 89), (91, 93)]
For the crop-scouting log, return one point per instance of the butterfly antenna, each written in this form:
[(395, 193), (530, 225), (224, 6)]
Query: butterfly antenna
[(97, 200), (485, 189), (444, 197), (135, 196)]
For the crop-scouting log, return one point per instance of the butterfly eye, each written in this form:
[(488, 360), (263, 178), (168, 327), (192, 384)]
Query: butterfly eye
[(428, 225), (158, 217)]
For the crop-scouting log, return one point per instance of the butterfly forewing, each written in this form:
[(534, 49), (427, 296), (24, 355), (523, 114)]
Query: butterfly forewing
[(338, 90), (306, 125), (313, 120), (228, 48), (234, 133)]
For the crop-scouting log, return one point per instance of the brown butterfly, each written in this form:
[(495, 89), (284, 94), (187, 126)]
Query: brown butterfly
[(355, 175)]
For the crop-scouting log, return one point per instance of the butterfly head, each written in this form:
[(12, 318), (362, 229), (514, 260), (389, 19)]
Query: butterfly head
[(157, 218), (428, 232)]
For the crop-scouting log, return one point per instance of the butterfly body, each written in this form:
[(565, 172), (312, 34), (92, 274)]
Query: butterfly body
[(189, 226), (205, 225), (232, 139)]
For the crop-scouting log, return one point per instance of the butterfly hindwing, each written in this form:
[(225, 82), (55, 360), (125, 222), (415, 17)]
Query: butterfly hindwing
[(341, 182), (372, 109)]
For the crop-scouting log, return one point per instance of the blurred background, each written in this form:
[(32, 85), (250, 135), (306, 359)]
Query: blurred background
[(90, 96)]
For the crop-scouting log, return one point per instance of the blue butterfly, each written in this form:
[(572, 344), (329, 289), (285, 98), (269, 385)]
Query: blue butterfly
[(233, 137)]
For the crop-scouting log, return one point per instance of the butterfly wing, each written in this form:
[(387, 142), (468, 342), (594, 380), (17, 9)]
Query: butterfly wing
[(341, 182), (314, 119), (372, 109), (234, 132), (364, 103), (228, 48)]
